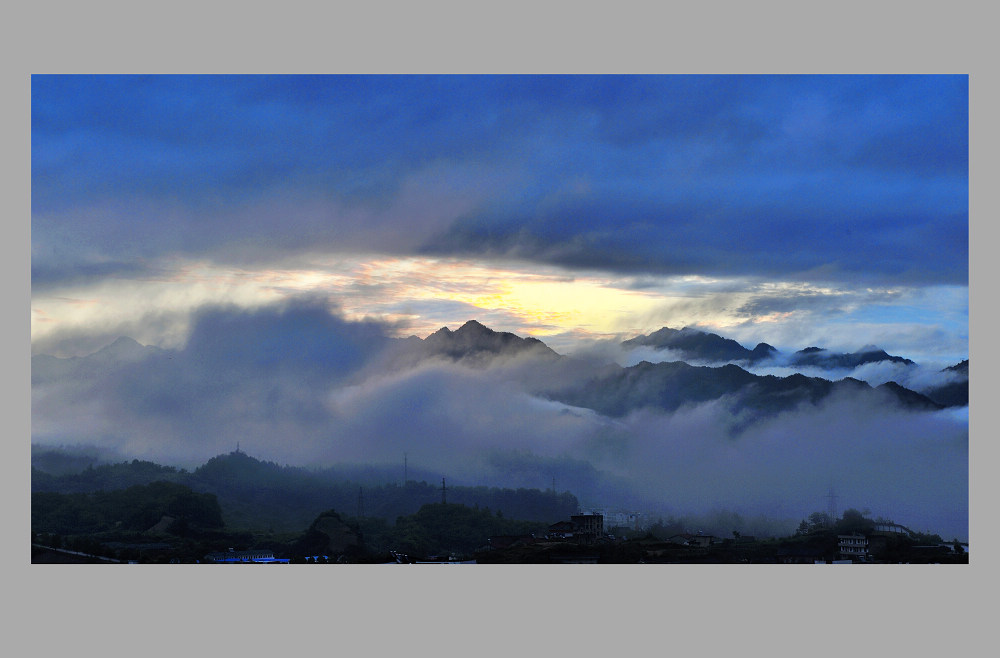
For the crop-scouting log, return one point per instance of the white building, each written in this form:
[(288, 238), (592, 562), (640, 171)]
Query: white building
[(853, 547)]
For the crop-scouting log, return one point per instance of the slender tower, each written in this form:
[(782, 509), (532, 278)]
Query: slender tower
[(831, 509), (444, 497)]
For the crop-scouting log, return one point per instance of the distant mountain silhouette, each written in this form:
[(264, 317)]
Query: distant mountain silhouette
[(474, 342), (954, 393), (611, 389), (961, 368), (671, 385), (123, 350), (696, 345), (909, 398), (701, 346), (816, 356)]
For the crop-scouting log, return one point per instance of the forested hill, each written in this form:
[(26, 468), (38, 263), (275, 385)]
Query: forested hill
[(255, 494)]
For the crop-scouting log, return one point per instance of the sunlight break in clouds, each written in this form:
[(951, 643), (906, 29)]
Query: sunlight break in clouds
[(409, 292), (420, 295)]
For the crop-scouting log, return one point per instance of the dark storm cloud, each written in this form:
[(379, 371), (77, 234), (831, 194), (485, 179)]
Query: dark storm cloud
[(890, 240), (851, 176)]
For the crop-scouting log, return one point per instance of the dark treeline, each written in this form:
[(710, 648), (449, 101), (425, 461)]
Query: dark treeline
[(136, 508), (436, 530), (115, 526), (259, 495)]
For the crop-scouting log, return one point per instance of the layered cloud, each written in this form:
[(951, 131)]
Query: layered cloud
[(844, 178)]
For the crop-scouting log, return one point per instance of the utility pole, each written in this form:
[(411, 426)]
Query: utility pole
[(444, 497), (832, 507)]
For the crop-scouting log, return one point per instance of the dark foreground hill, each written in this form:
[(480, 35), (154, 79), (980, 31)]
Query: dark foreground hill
[(256, 494)]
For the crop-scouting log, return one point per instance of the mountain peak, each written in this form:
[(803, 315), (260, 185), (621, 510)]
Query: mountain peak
[(474, 339), (474, 326), (694, 343), (122, 343), (124, 349), (962, 367)]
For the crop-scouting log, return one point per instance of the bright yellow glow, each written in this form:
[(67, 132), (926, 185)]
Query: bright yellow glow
[(419, 295)]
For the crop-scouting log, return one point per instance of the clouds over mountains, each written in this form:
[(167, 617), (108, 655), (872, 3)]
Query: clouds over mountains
[(297, 384), (195, 210)]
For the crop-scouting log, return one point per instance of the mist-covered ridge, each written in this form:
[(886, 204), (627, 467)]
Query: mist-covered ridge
[(302, 386), (693, 344), (705, 366)]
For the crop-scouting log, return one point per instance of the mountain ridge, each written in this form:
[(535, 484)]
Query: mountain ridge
[(694, 344), (474, 341), (616, 390)]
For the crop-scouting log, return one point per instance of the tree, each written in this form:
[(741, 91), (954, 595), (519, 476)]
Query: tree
[(854, 521), (819, 521)]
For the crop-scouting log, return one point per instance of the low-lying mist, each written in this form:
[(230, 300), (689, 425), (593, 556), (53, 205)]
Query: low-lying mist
[(296, 385)]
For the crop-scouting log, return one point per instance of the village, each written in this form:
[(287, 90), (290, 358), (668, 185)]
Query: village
[(585, 539)]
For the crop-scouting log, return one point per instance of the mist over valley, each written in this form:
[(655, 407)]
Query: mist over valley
[(296, 384)]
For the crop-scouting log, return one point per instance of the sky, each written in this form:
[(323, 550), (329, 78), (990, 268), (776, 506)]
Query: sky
[(796, 210), (272, 230)]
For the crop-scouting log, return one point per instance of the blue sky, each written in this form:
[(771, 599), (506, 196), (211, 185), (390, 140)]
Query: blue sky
[(774, 208)]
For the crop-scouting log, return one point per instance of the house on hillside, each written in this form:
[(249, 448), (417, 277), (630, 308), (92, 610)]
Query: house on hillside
[(622, 519), (561, 530), (853, 547), (588, 527), (581, 528)]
